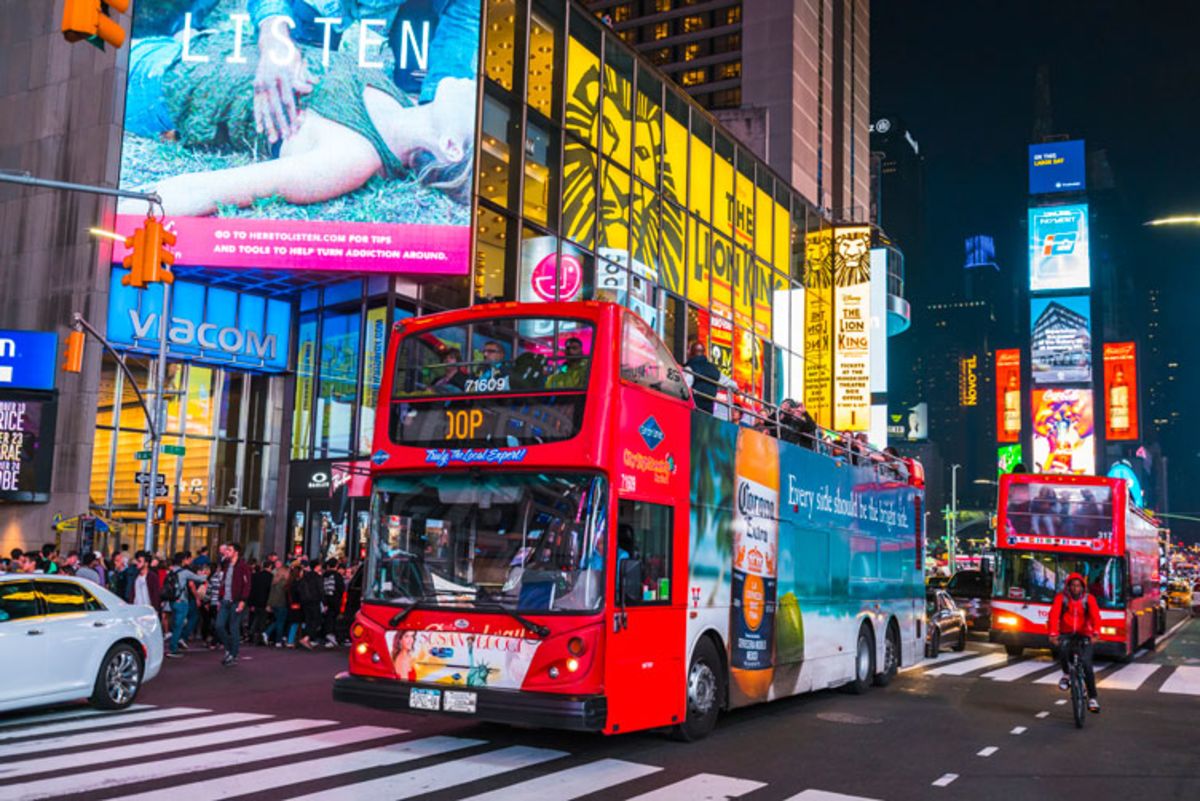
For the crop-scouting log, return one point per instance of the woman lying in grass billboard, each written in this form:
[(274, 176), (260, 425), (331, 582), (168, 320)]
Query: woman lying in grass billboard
[(339, 122)]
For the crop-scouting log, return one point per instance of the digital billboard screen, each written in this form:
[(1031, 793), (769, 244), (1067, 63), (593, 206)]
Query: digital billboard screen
[(1057, 167), (1007, 458), (340, 141), (1008, 395), (1060, 342), (1120, 388), (1064, 437), (1058, 248), (26, 447)]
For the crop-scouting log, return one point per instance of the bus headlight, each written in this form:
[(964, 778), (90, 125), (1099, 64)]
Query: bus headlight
[(1110, 631), (1006, 620), (572, 665), (361, 648)]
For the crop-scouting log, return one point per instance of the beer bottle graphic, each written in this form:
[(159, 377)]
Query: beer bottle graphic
[(1118, 402), (754, 577), (1012, 406)]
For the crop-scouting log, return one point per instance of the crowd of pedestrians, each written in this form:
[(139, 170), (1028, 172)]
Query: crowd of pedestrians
[(219, 601)]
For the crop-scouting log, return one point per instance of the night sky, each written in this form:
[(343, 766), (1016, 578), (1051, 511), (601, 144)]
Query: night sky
[(1125, 76)]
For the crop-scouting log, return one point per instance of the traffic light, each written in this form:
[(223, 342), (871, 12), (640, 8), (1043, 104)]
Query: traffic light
[(158, 258), (73, 355), (164, 510), (149, 258), (91, 20)]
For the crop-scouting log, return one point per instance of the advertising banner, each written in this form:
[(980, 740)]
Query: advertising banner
[(818, 327), (1057, 167), (26, 447), (1007, 458), (28, 359), (1120, 387), (1064, 431), (968, 380), (288, 135), (463, 659), (1008, 395), (208, 324), (1058, 248), (1060, 340), (852, 328)]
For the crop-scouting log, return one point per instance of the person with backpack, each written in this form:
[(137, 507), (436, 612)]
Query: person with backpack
[(308, 592), (333, 587), (1076, 614), (260, 592), (176, 595)]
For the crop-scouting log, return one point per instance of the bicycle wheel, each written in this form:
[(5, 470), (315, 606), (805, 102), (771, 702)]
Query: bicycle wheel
[(1078, 696)]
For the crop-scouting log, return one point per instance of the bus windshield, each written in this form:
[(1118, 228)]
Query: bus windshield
[(530, 542), (1060, 510), (1037, 577), (500, 356)]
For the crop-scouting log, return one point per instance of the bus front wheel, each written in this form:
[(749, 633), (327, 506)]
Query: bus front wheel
[(705, 689), (864, 662), (1013, 649)]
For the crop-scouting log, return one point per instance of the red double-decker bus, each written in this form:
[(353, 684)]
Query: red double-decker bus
[(1050, 526), (560, 538)]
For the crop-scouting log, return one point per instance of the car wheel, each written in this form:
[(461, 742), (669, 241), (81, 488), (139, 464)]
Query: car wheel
[(705, 689), (119, 678), (891, 657), (864, 662), (961, 645), (935, 643), (1013, 650)]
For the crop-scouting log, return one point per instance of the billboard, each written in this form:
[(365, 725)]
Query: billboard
[(1057, 167), (27, 359), (1063, 432), (852, 328), (1007, 458), (26, 447), (910, 423), (968, 380), (1060, 342), (1058, 248), (818, 326), (1120, 387), (208, 324), (339, 141), (1008, 395)]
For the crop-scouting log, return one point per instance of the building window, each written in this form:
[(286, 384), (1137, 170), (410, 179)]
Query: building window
[(498, 61), (694, 77), (731, 70), (337, 385), (693, 24)]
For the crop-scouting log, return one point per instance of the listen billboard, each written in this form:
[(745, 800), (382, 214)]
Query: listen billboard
[(1058, 248), (280, 136)]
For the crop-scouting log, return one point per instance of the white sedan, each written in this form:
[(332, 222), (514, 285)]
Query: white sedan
[(67, 639)]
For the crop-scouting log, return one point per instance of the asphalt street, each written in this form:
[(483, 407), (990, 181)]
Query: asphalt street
[(977, 725)]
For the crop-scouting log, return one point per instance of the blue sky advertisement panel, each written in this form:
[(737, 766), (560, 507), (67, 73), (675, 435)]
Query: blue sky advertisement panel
[(1058, 248), (1057, 167)]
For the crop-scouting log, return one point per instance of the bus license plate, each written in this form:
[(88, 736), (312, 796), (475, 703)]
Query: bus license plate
[(429, 700), (459, 702)]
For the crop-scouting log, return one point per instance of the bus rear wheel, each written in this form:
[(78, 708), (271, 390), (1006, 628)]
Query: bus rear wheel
[(864, 662), (705, 689), (891, 657)]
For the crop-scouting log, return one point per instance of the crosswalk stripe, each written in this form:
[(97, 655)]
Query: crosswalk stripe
[(1052, 678), (441, 776), (71, 714), (133, 733), (959, 668), (9, 770), (1129, 677), (825, 795), (296, 772), (93, 781), (572, 782), (1018, 670), (940, 659), (1184, 680), (702, 787), (93, 723)]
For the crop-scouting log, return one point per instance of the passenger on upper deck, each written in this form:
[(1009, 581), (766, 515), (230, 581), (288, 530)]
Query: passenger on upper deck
[(572, 373), (493, 365), (705, 379), (455, 377)]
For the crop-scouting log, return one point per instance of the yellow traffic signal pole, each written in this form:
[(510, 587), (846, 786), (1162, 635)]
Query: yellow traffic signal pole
[(156, 421)]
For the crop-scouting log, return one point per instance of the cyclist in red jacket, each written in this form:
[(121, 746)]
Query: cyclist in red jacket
[(1076, 613)]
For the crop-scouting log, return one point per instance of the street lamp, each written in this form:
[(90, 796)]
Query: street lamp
[(952, 523)]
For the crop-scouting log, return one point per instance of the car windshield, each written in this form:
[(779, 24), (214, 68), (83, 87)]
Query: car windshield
[(1037, 577), (1060, 510), (530, 542)]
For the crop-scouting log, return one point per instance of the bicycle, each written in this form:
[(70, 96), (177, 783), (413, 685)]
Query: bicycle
[(1075, 675)]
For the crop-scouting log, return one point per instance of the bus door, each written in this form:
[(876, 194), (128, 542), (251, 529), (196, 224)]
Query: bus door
[(643, 669)]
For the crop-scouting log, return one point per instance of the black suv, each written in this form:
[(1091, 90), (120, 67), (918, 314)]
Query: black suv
[(972, 592)]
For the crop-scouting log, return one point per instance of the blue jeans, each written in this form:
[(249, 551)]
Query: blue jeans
[(193, 620), (179, 617), (229, 627), (277, 631)]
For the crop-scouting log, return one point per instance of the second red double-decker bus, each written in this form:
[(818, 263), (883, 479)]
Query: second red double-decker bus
[(559, 538), (1050, 526)]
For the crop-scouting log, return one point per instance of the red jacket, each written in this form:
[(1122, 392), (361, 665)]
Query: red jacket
[(239, 575), (1070, 616)]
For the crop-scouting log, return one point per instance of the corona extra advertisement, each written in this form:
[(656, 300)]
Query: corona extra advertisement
[(1008, 395), (1120, 391), (1063, 431)]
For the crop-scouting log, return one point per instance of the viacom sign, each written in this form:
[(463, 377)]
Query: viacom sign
[(207, 324)]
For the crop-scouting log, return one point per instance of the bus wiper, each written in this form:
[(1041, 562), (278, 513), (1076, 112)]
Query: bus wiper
[(536, 628), (398, 618), (421, 603)]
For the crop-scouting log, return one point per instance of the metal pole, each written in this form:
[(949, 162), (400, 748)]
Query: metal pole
[(952, 552), (15, 177), (160, 398)]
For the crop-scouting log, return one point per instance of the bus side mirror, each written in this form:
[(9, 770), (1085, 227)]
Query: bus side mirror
[(1138, 590)]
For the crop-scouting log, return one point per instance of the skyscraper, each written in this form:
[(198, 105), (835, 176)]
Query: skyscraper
[(789, 78)]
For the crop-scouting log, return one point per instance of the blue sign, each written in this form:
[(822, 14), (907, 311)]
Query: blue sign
[(1058, 248), (441, 457), (27, 359), (1057, 167), (208, 324), (652, 433)]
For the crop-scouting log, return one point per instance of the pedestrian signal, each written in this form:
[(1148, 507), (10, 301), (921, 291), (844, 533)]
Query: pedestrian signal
[(91, 20)]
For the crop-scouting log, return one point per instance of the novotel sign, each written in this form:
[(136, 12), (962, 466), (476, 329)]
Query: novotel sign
[(207, 324)]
